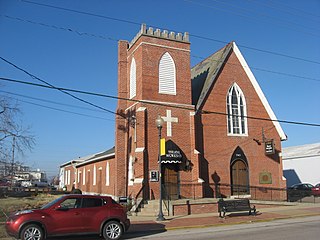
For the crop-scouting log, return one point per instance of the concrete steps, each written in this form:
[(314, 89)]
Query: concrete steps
[(151, 208)]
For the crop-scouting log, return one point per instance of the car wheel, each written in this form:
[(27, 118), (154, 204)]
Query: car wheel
[(32, 232), (112, 230)]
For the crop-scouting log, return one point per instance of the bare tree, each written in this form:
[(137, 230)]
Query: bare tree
[(13, 135)]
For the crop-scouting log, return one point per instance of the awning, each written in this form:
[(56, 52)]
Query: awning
[(173, 153)]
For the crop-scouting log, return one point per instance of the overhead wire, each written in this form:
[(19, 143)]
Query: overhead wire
[(193, 35), (52, 86), (54, 108), (261, 14), (65, 111), (52, 102), (155, 103), (116, 40)]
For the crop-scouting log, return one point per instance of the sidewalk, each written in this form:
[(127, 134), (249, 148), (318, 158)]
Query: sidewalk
[(264, 213)]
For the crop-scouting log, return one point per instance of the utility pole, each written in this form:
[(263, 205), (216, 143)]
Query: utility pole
[(12, 161)]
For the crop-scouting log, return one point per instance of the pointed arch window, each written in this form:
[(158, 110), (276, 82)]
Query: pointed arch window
[(167, 75), (133, 78), (237, 111)]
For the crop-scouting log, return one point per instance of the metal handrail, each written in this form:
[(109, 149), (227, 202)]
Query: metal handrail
[(166, 199)]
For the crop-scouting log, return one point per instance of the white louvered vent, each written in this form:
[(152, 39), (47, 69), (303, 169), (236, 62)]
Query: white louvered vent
[(167, 75), (133, 78)]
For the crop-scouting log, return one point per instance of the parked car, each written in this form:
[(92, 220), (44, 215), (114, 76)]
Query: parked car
[(39, 183), (316, 190), (299, 191), (73, 214), (4, 182)]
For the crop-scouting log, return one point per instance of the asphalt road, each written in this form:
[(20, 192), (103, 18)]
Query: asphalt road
[(307, 228)]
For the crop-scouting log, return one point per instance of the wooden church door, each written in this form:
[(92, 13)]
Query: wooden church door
[(239, 178), (171, 182)]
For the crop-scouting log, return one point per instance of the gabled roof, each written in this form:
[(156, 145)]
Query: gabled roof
[(302, 151), (99, 156), (91, 158), (204, 75)]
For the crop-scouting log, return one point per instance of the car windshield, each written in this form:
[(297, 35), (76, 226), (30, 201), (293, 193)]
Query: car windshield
[(51, 203)]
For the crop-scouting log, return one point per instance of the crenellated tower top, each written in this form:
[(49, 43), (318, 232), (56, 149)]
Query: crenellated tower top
[(165, 34)]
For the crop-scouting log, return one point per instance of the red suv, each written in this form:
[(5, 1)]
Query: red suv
[(70, 215)]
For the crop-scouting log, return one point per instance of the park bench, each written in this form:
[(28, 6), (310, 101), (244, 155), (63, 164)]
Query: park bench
[(236, 205)]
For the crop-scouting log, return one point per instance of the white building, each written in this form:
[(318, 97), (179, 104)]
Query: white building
[(301, 164)]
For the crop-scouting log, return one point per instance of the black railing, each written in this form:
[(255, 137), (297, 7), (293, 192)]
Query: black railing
[(166, 199), (196, 191)]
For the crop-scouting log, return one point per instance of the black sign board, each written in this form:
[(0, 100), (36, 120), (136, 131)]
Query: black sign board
[(269, 147), (154, 176), (123, 200), (173, 153)]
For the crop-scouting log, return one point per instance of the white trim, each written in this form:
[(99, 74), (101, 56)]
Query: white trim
[(107, 174), (259, 92), (84, 176), (156, 45), (94, 175), (131, 106), (195, 151), (240, 97), (139, 149), (133, 79), (141, 109), (200, 180), (138, 180), (167, 103)]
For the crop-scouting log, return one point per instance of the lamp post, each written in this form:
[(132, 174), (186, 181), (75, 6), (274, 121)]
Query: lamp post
[(159, 123)]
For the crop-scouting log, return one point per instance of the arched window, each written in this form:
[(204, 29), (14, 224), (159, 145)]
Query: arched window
[(133, 78), (237, 111), (167, 75)]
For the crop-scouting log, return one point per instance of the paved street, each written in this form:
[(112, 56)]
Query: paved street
[(299, 228)]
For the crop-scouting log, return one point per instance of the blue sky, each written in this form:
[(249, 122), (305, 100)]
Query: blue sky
[(78, 49)]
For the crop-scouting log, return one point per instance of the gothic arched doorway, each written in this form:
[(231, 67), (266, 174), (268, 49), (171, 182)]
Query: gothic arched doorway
[(239, 173)]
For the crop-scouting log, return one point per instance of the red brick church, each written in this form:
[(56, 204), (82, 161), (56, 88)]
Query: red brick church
[(217, 128)]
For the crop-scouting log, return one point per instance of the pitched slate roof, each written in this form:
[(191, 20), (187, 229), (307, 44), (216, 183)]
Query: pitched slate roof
[(204, 75)]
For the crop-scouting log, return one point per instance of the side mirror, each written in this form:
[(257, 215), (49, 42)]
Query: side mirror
[(59, 208)]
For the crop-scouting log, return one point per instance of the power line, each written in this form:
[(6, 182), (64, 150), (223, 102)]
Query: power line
[(263, 70), (53, 102), (61, 28), (261, 14), (113, 39), (49, 84), (65, 111), (193, 35), (156, 103), (53, 108)]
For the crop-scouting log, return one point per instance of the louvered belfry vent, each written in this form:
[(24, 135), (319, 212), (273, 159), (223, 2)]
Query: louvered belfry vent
[(167, 75)]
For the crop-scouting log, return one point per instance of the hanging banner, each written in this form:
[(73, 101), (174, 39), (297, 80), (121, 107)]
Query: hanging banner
[(162, 146)]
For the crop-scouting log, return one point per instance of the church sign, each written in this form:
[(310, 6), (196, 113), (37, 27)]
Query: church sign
[(173, 153), (154, 176), (269, 147)]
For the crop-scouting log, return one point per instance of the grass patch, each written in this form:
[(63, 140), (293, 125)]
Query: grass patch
[(12, 204)]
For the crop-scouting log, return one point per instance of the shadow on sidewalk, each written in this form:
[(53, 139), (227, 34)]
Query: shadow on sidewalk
[(144, 229)]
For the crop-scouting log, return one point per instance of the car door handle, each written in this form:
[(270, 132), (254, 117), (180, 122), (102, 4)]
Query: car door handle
[(76, 213)]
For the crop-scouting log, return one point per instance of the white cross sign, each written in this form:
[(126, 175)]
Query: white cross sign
[(169, 120)]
